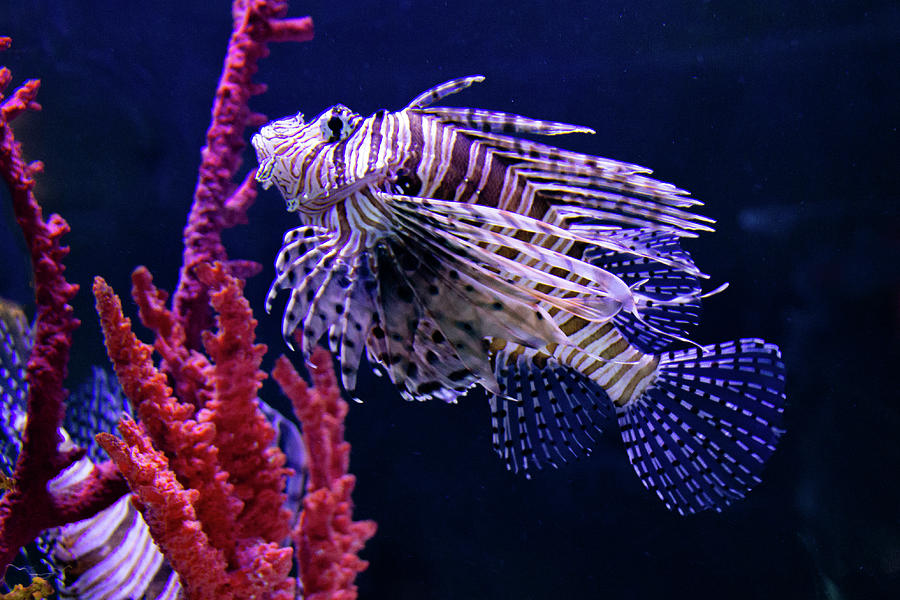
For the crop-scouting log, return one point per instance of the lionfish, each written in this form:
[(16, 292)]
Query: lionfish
[(458, 255), (110, 556)]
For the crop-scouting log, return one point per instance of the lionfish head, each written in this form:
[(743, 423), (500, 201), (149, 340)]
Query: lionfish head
[(294, 155)]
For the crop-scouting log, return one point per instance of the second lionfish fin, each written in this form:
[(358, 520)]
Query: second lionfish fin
[(667, 300), (431, 282), (327, 304), (397, 317), (427, 353), (432, 95), (546, 413), (355, 323), (447, 350), (700, 434), (501, 122)]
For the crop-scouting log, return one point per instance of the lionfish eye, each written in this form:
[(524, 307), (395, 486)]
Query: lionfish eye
[(336, 125)]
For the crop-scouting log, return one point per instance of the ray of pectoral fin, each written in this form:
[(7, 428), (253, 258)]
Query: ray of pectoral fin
[(599, 298)]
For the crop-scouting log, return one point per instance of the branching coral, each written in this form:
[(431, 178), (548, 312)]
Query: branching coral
[(199, 459), (39, 588), (218, 202), (211, 488), (327, 539), (30, 507)]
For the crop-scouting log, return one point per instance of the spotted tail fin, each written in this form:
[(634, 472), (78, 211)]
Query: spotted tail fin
[(700, 434)]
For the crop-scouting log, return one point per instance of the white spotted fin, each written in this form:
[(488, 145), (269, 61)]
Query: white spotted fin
[(442, 312)]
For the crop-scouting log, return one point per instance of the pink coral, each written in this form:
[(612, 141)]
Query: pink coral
[(200, 459), (220, 467), (218, 202), (327, 538), (168, 510), (29, 507)]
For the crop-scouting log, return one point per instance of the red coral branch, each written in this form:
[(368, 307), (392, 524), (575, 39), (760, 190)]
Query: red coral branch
[(185, 438), (243, 434), (218, 203), (211, 431), (327, 538), (222, 452), (169, 512), (30, 507), (201, 462)]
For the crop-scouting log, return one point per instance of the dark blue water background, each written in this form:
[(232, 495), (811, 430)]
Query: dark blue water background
[(782, 116)]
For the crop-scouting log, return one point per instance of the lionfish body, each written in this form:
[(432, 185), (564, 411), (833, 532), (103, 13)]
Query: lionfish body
[(457, 255)]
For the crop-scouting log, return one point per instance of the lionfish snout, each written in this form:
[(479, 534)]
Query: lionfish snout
[(264, 157), (282, 148), (305, 160)]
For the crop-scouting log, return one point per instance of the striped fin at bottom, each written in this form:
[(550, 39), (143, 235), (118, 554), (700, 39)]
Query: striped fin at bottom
[(699, 436), (545, 414)]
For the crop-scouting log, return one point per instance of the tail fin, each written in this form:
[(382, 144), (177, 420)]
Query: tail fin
[(700, 434)]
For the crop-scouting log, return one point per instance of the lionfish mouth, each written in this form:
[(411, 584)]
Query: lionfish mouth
[(265, 160)]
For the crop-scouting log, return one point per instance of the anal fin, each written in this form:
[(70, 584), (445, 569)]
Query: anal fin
[(546, 413)]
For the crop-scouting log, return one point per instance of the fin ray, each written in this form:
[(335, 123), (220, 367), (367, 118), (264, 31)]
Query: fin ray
[(501, 122)]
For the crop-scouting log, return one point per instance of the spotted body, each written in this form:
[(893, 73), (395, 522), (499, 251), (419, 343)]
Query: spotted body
[(455, 254)]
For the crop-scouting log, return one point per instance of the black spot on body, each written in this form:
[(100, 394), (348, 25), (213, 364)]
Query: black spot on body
[(428, 387), (407, 182), (458, 375), (405, 294), (465, 326)]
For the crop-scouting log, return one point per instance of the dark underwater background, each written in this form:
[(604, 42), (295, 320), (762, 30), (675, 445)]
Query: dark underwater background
[(781, 116)]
